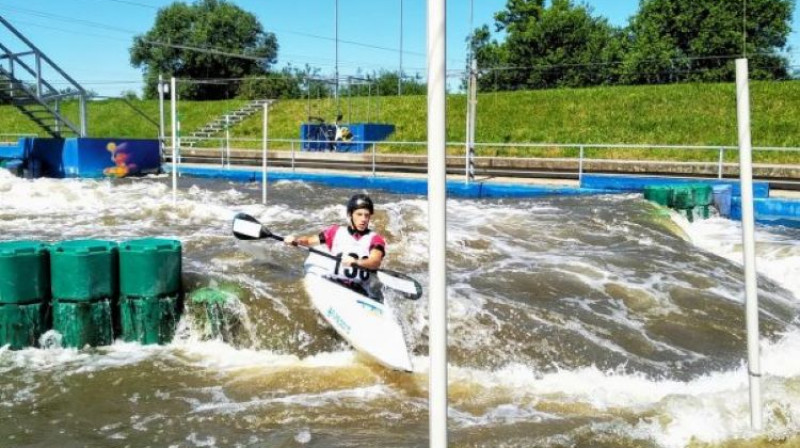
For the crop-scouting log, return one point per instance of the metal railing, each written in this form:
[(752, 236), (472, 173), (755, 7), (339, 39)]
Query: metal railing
[(572, 161)]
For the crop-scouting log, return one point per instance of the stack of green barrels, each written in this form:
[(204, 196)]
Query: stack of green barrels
[(691, 200), (95, 289), (24, 292), (150, 289), (84, 282)]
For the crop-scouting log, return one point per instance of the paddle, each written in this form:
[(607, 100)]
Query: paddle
[(245, 227)]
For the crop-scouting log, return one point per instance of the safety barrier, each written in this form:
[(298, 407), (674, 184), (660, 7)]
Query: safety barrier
[(690, 200), (89, 291), (150, 289)]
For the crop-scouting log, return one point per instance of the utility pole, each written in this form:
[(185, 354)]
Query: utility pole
[(336, 69), (400, 71)]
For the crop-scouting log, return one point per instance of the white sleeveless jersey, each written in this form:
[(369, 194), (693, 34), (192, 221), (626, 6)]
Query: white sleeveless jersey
[(345, 244)]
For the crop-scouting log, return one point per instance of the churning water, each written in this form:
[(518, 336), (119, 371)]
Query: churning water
[(573, 322)]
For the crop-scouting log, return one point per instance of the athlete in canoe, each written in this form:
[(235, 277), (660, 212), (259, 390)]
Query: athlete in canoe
[(360, 248)]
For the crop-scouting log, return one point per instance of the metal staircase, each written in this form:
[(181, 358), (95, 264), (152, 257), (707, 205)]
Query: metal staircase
[(23, 85), (230, 119)]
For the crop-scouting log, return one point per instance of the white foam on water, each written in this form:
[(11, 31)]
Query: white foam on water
[(777, 255), (711, 408)]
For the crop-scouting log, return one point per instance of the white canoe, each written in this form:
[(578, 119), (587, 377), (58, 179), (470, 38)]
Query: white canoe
[(369, 326)]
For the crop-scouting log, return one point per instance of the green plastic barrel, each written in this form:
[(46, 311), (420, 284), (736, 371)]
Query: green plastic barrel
[(217, 313), (84, 270), (149, 320), (83, 323), (703, 194), (150, 267), (661, 195), (682, 198), (22, 325), (24, 272)]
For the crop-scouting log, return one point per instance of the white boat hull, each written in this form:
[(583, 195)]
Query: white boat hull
[(369, 326)]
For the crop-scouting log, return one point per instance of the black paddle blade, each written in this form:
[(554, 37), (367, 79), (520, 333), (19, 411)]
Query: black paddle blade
[(245, 227)]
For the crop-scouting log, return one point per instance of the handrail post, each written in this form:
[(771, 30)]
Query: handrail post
[(373, 159), (721, 158), (580, 167), (222, 153), (228, 139), (292, 155)]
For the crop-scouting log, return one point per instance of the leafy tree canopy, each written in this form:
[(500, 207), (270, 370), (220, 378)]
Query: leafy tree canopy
[(563, 44), (698, 40), (548, 46), (209, 39)]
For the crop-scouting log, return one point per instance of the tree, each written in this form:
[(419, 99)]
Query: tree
[(210, 39), (559, 45), (697, 40), (286, 84)]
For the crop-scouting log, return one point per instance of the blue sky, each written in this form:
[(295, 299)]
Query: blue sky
[(90, 39)]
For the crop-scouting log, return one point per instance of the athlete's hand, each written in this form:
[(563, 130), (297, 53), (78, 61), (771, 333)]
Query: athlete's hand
[(350, 260), (290, 240)]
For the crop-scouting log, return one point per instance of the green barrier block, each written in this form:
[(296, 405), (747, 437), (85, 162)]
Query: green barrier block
[(150, 267), (24, 272), (703, 194), (702, 211), (22, 325), (658, 194), (84, 270), (216, 313), (83, 323), (682, 198), (149, 320)]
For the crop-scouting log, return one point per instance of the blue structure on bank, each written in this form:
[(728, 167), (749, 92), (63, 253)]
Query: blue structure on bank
[(82, 157), (322, 136)]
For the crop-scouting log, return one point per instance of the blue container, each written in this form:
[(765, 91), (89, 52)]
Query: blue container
[(722, 199), (321, 137)]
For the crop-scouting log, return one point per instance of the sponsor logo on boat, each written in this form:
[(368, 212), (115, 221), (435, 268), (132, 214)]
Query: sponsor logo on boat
[(370, 307), (338, 320)]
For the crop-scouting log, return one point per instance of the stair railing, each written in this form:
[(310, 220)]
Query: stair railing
[(15, 59)]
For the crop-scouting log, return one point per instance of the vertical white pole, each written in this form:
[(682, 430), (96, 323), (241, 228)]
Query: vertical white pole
[(466, 132), (748, 240), (336, 69), (174, 111), (161, 132), (400, 70), (228, 139), (264, 156), (437, 223), (473, 112)]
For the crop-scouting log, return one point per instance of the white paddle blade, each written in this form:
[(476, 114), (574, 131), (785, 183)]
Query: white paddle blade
[(401, 283), (247, 228)]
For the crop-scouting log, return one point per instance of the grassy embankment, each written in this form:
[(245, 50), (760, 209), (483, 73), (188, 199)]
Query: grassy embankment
[(686, 114)]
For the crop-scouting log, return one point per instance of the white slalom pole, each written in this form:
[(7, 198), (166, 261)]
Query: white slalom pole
[(748, 240), (161, 114), (437, 223), (264, 155), (174, 111), (228, 139)]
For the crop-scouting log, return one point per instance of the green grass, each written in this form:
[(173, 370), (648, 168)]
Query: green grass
[(681, 114)]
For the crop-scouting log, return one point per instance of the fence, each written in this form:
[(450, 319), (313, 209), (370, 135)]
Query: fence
[(514, 159)]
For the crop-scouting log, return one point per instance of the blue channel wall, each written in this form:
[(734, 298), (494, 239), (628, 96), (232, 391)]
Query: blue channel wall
[(395, 185), (767, 210), (636, 184)]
